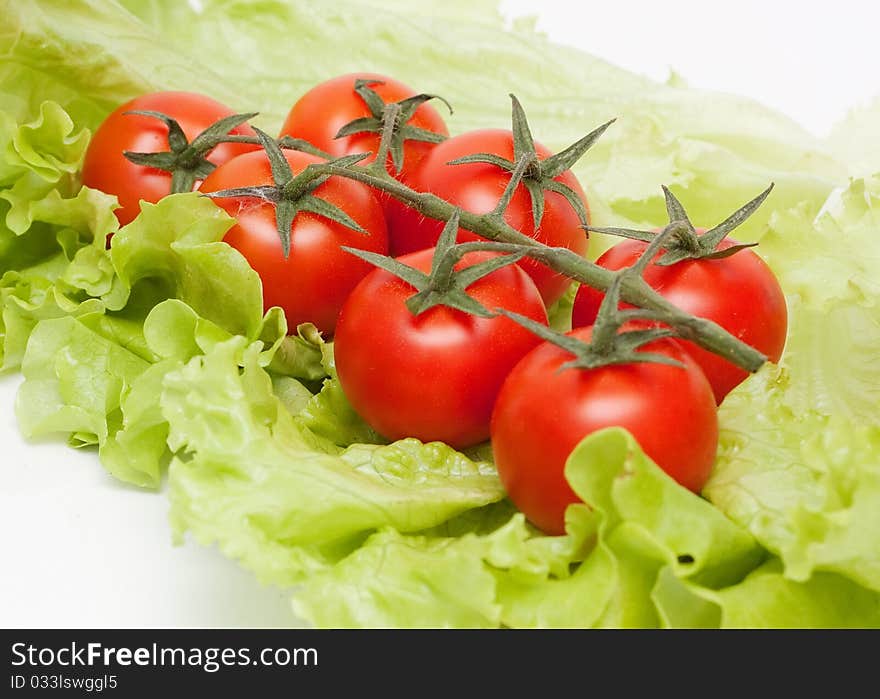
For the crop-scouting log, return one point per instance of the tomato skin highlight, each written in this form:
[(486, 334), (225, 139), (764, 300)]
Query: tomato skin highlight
[(477, 187), (434, 376), (542, 414), (106, 168), (740, 293), (314, 281), (319, 114)]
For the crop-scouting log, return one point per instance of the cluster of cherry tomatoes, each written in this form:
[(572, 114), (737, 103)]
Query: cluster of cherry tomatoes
[(445, 374)]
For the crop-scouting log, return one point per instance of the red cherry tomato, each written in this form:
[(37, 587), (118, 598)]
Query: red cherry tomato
[(477, 187), (740, 293), (106, 168), (313, 282), (543, 413), (322, 111), (434, 376)]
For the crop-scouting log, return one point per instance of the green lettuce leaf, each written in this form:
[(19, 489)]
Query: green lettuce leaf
[(99, 378), (43, 225), (89, 56), (656, 556), (74, 381), (330, 415), (177, 246), (834, 256), (49, 148), (769, 599), (117, 321), (719, 149)]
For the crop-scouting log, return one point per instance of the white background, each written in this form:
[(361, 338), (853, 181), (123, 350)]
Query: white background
[(79, 549)]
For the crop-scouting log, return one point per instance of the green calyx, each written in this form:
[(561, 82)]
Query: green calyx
[(539, 176), (391, 118), (187, 161), (608, 345), (444, 286), (686, 243), (292, 194)]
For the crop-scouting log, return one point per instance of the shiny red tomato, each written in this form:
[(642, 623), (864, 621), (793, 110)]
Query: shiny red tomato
[(313, 282), (739, 292), (477, 187), (543, 413), (106, 168), (319, 114), (434, 376)]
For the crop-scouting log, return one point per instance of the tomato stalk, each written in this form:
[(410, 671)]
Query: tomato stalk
[(633, 290), (538, 176), (293, 194)]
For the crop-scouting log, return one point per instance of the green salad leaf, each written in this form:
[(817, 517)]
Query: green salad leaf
[(800, 451), (43, 223), (157, 351), (767, 599), (639, 526)]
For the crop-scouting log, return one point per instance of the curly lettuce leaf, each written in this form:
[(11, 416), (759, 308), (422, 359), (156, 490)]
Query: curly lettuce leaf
[(99, 379), (90, 56), (769, 599), (283, 499), (330, 415), (177, 244), (74, 381), (43, 224), (834, 256), (720, 148), (804, 483), (644, 553), (799, 463), (48, 149)]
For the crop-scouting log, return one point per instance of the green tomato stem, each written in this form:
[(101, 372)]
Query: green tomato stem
[(633, 289)]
